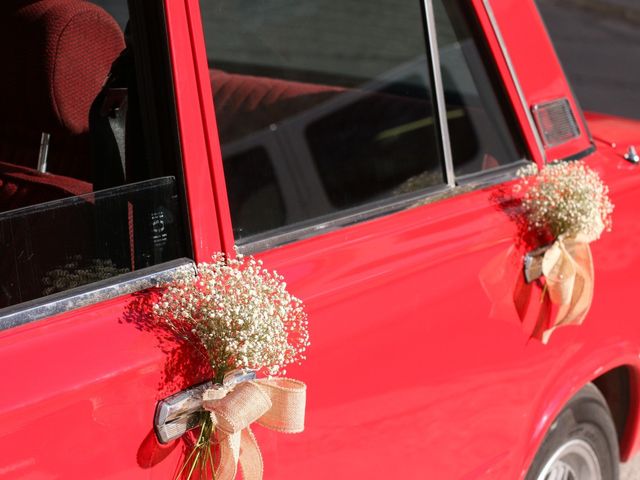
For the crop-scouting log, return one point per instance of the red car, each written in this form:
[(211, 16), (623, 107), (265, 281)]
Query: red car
[(365, 150)]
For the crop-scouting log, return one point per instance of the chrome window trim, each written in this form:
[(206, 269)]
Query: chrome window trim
[(465, 183), (330, 222), (440, 100), (478, 181), (495, 176), (514, 77), (92, 293)]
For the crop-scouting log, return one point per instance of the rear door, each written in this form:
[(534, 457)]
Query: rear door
[(402, 140), (90, 218)]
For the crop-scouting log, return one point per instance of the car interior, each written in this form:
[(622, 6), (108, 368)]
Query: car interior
[(73, 210), (300, 142)]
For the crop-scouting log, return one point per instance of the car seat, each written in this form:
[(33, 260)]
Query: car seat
[(56, 55)]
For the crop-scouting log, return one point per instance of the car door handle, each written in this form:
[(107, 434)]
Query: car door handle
[(179, 413), (533, 263)]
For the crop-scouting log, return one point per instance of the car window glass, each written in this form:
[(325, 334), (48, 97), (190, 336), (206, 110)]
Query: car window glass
[(84, 193), (482, 127), (323, 107)]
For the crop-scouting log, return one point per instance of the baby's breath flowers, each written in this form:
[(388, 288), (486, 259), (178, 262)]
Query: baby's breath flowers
[(569, 202), (241, 313), (567, 198), (242, 317)]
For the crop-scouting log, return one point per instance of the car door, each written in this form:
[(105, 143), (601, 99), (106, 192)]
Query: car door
[(407, 140), (90, 217)]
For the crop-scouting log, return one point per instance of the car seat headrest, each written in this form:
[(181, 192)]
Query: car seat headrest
[(57, 54)]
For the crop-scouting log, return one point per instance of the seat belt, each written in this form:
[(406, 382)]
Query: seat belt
[(108, 125), (114, 109), (119, 157), (108, 128)]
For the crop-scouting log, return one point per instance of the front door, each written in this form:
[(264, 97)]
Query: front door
[(402, 142), (93, 210)]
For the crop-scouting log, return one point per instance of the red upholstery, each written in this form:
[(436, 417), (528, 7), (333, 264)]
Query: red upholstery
[(268, 100), (247, 92), (246, 104), (38, 240), (20, 187), (55, 57)]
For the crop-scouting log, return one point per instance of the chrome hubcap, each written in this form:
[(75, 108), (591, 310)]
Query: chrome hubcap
[(575, 460)]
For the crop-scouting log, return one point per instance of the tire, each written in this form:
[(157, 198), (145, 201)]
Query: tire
[(581, 443)]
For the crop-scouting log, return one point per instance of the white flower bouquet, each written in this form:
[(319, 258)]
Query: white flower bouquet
[(240, 316), (569, 202), (567, 198)]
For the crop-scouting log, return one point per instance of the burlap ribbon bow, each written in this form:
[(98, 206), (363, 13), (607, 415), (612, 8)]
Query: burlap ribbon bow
[(275, 403), (568, 268)]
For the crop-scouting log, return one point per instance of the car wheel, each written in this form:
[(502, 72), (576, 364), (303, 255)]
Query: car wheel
[(581, 443)]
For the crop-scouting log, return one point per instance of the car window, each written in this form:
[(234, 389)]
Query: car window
[(482, 126), (326, 108), (87, 191), (331, 101)]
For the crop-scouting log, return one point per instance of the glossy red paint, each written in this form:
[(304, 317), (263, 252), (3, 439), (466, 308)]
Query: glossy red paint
[(78, 396), (420, 366), (440, 375), (614, 132), (79, 390), (410, 362), (194, 128), (199, 63)]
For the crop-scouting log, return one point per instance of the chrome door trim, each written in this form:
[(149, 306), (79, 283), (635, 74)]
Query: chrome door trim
[(440, 100), (330, 222), (514, 77), (89, 294), (495, 176), (464, 184)]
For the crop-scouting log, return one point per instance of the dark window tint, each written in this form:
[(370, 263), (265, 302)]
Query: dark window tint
[(336, 97), (371, 147), (88, 176), (255, 199), (482, 127)]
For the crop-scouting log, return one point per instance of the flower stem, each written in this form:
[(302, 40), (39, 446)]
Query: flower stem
[(199, 458)]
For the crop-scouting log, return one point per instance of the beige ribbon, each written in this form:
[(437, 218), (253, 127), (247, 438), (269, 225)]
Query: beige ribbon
[(275, 403), (568, 268)]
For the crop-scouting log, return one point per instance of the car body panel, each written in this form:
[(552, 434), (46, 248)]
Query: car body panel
[(616, 133), (203, 190), (84, 384), (76, 395), (484, 373), (419, 365)]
